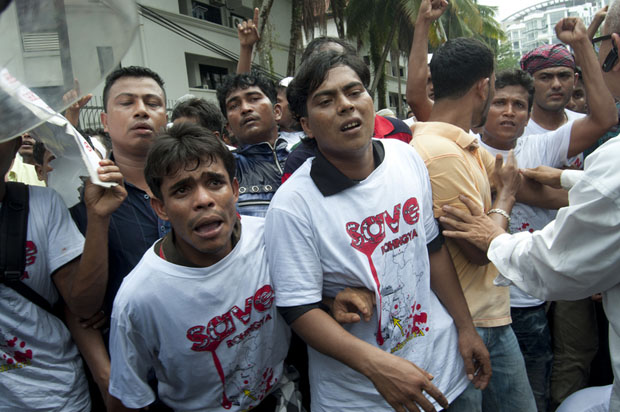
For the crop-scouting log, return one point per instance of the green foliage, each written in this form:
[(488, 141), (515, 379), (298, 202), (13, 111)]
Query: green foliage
[(372, 21), (506, 58)]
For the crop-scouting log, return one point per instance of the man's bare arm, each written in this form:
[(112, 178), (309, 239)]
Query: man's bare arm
[(597, 20), (248, 37), (90, 344), (603, 114), (421, 105), (400, 382), (82, 283), (535, 194)]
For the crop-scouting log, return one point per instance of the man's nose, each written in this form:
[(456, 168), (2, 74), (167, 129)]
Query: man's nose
[(344, 104), (140, 109), (202, 197)]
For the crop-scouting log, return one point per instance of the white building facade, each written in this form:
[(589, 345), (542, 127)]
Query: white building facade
[(191, 44), (535, 25)]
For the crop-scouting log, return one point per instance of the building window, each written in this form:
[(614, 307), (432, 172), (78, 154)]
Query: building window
[(206, 72), (393, 99), (211, 76), (396, 69), (206, 12)]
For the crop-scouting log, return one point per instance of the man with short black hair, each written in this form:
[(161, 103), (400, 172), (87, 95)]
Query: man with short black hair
[(249, 103), (191, 175), (199, 111), (135, 111), (344, 221), (553, 68)]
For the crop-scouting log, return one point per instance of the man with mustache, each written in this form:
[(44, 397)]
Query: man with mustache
[(134, 112), (553, 68), (455, 164)]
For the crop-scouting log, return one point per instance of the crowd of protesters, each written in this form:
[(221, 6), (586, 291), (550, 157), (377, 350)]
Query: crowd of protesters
[(286, 248)]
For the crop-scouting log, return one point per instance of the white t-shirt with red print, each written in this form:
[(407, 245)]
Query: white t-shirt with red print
[(40, 368), (372, 235), (546, 149), (212, 335), (534, 128)]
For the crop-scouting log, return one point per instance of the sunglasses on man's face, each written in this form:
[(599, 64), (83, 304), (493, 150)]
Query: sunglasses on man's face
[(612, 57)]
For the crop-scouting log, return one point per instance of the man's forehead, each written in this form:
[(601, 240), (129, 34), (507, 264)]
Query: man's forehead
[(192, 168), (512, 91), (241, 92), (554, 70), (136, 86), (342, 75)]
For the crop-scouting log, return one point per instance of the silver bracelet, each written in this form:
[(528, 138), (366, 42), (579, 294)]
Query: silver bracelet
[(500, 212)]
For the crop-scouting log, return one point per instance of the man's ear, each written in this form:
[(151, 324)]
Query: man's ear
[(576, 80), (306, 126), (482, 88), (159, 208), (235, 188), (277, 112), (39, 169), (104, 121)]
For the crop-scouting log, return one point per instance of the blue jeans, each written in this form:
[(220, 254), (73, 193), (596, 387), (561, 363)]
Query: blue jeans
[(532, 330), (509, 390)]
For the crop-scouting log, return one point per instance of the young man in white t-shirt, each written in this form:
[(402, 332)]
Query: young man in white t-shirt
[(344, 219), (553, 68), (40, 367), (198, 309)]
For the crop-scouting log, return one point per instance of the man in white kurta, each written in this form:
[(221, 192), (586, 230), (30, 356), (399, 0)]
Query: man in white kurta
[(574, 256)]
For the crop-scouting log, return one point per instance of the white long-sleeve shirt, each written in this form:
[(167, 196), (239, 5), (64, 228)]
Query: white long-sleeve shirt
[(577, 254)]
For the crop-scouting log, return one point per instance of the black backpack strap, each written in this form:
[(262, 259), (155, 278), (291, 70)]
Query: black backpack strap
[(13, 232)]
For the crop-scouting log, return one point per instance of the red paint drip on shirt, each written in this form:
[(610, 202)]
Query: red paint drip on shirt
[(226, 403)]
